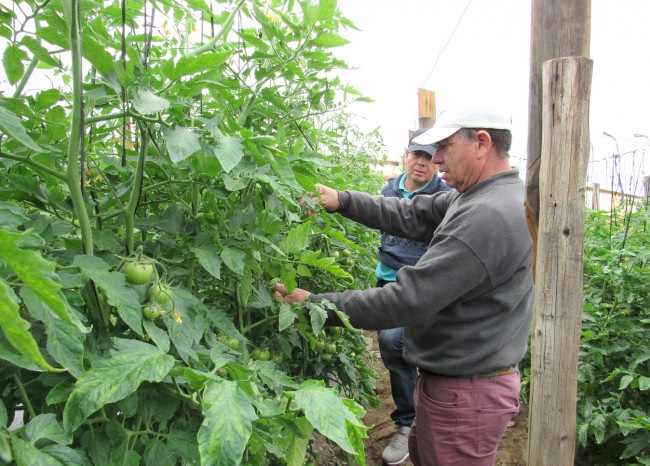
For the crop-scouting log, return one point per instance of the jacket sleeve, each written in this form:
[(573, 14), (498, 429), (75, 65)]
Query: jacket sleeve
[(414, 219)]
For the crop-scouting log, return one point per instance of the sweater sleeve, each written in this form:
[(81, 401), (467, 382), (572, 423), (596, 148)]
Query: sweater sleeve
[(448, 272), (414, 219)]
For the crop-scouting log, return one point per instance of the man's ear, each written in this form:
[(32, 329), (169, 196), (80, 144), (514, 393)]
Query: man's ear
[(484, 142)]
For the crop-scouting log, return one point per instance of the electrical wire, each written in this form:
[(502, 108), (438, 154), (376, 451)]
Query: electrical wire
[(446, 44)]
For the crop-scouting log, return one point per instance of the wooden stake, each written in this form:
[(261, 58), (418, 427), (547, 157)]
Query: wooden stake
[(557, 322)]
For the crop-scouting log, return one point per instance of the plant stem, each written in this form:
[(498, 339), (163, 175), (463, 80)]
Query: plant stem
[(222, 32), (136, 192), (34, 164), (73, 176), (26, 76), (25, 398)]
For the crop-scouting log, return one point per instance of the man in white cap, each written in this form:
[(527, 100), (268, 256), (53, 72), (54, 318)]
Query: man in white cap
[(469, 297), (420, 177)]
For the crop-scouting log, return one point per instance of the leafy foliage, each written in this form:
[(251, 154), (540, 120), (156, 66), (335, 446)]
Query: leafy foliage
[(182, 136), (614, 378)]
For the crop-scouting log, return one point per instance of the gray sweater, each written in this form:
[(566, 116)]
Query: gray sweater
[(466, 305)]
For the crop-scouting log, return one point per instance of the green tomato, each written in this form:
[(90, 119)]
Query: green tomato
[(277, 358), (319, 345), (151, 311), (326, 357), (232, 343), (261, 354), (159, 293), (138, 273), (330, 348), (346, 252), (334, 254), (334, 331)]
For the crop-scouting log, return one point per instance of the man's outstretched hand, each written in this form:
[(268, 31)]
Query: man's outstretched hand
[(327, 197), (298, 295)]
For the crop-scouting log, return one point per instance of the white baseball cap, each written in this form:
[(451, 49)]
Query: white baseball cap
[(450, 121)]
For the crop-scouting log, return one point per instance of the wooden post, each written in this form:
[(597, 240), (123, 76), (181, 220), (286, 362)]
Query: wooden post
[(555, 338), (426, 108), (559, 28), (595, 197)]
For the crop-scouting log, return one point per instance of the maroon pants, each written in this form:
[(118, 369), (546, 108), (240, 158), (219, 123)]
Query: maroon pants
[(459, 422)]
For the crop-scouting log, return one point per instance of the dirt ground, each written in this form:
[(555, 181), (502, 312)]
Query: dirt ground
[(511, 450)]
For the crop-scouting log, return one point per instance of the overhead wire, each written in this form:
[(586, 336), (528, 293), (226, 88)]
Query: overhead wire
[(446, 43)]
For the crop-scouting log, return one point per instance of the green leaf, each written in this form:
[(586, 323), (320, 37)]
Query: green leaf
[(296, 239), (46, 426), (97, 55), (11, 215), (599, 423), (25, 454), (209, 260), (318, 316), (4, 417), (181, 143), (65, 342), (229, 151), (40, 52), (625, 381), (114, 378), (326, 9), (158, 335), (234, 259), (187, 66), (5, 448), (287, 317), (16, 330), (227, 423), (118, 293), (325, 263), (147, 103), (644, 383), (12, 125), (325, 410), (12, 59), (329, 39)]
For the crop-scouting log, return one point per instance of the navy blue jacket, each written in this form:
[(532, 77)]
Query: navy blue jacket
[(395, 251)]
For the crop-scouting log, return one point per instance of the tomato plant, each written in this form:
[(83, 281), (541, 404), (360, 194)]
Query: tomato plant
[(178, 142)]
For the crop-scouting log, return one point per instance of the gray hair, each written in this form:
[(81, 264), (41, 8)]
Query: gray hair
[(501, 138)]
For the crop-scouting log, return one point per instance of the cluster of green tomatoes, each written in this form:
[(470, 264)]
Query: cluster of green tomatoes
[(139, 271)]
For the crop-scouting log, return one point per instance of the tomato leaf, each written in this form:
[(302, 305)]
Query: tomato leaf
[(227, 423), (209, 260), (46, 426), (181, 143), (12, 125), (65, 342), (296, 239), (325, 410), (147, 103), (16, 330), (118, 294), (12, 59), (287, 317), (234, 259), (33, 269), (329, 39), (114, 378)]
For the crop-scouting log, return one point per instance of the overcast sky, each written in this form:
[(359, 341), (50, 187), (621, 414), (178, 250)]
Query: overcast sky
[(466, 49)]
